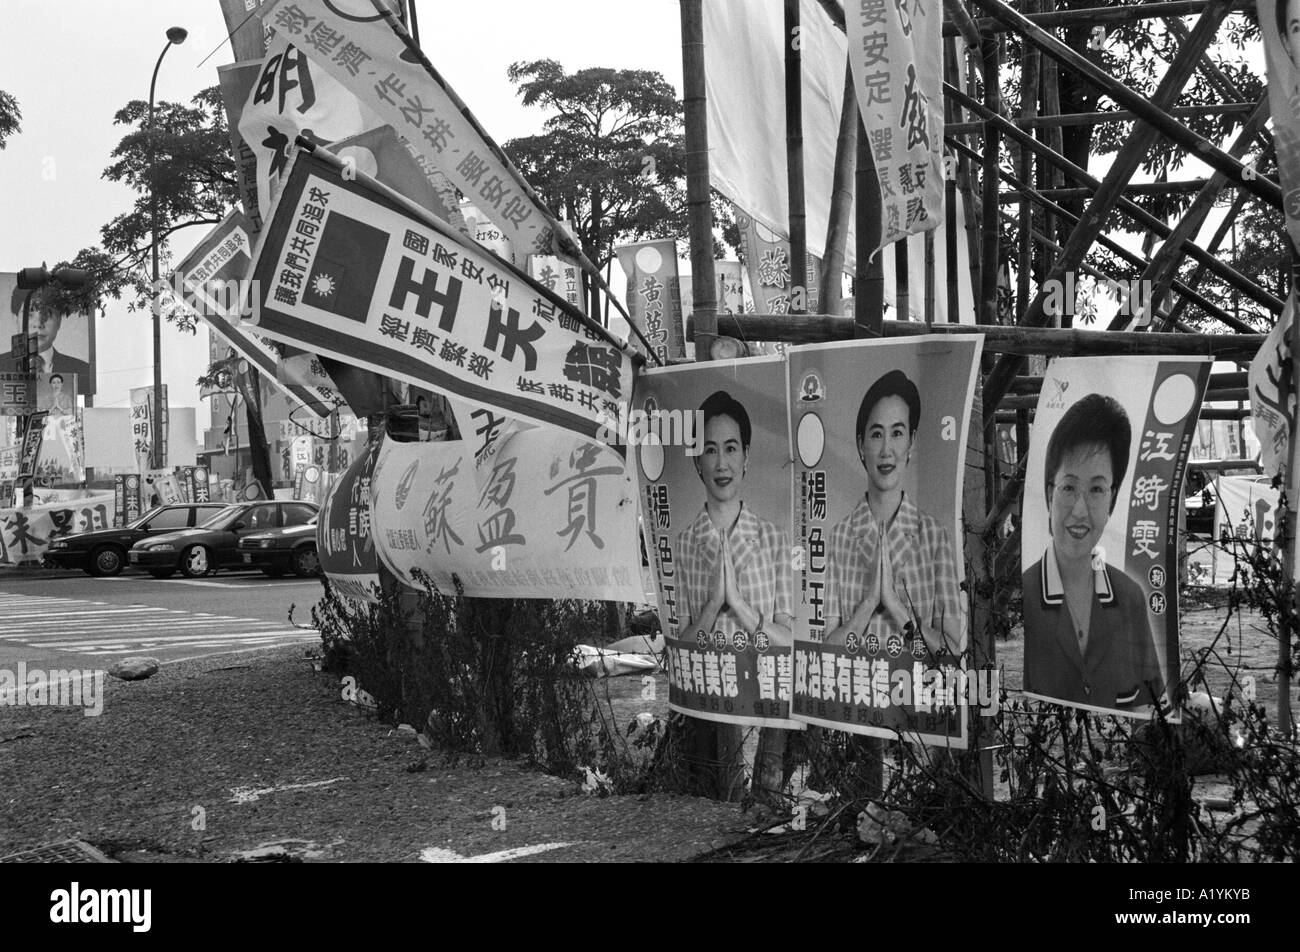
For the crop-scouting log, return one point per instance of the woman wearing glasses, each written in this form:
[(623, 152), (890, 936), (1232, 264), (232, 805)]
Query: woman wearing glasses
[(1087, 639)]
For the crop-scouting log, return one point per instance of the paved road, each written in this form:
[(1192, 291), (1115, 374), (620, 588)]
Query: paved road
[(65, 620)]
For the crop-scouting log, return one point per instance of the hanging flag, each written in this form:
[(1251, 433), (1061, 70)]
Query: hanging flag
[(1273, 393), (383, 155), (244, 25), (209, 284), (348, 270), (293, 97), (378, 62), (559, 275), (651, 269), (237, 81), (896, 56), (767, 259)]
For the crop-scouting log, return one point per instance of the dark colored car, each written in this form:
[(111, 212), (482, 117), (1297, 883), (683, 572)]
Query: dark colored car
[(202, 550), (103, 551), (278, 551)]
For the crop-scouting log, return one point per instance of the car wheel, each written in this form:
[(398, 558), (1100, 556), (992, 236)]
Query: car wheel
[(162, 573), (107, 560), (272, 571), (306, 564), (197, 561)]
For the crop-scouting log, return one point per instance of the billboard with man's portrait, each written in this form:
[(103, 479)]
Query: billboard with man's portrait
[(63, 344), (1103, 487)]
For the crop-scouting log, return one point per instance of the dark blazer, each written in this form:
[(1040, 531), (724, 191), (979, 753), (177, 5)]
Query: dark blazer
[(1120, 669), (63, 364)]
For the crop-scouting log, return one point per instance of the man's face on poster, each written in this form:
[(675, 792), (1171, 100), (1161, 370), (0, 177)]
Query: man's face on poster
[(722, 464), (46, 324)]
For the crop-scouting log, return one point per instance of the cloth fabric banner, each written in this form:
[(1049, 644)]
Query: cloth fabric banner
[(714, 454), (344, 539), (32, 440), (1103, 490), (744, 73), (211, 284), (1273, 393), (879, 430), (348, 270), (292, 97), (559, 275), (383, 155), (374, 60), (236, 82), (25, 534), (651, 269), (128, 501), (541, 514), (194, 483), (1245, 516), (767, 259), (896, 55), (62, 449), (244, 25), (142, 425), (1278, 24)]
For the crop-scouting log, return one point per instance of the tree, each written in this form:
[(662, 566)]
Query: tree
[(611, 160), (10, 117)]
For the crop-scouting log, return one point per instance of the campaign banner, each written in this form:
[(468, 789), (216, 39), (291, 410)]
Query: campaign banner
[(376, 59), (294, 96), (60, 343), (128, 502), (310, 484), (236, 83), (561, 276), (1099, 550), (211, 280), (56, 393), (25, 534), (16, 393), (896, 58), (63, 452), (348, 270), (1282, 67), (533, 513), (1273, 393), (714, 456), (143, 428), (194, 483), (731, 286), (161, 488), (32, 441), (767, 259), (245, 28), (487, 233), (879, 429), (344, 538), (651, 269), (383, 155)]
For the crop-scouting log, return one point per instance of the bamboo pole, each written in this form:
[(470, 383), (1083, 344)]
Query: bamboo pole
[(987, 309), (869, 277), (1215, 240), (1092, 16), (1227, 274), (1115, 115), (837, 226), (1148, 111), (798, 217), (1133, 188)]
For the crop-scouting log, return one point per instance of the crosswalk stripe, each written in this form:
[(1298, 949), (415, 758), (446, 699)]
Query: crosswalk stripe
[(179, 639)]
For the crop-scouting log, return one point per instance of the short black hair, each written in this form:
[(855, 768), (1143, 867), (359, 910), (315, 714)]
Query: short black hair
[(1281, 22), (721, 403), (52, 376), (893, 384), (1094, 421)]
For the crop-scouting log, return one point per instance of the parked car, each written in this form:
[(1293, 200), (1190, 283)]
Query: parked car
[(103, 551), (202, 550), (278, 551)]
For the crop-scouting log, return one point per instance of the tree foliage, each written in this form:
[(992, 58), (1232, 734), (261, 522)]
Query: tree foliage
[(10, 117), (611, 160)]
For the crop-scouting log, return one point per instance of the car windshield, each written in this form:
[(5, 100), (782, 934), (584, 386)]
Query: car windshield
[(223, 515), (145, 518)]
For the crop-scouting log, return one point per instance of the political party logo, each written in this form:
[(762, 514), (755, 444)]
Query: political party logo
[(404, 485), (811, 389), (343, 276), (1055, 399), (894, 646), (740, 641)]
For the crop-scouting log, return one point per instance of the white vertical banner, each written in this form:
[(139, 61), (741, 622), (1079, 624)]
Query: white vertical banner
[(896, 55)]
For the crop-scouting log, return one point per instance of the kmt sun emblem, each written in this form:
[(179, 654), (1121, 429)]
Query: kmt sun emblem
[(323, 285)]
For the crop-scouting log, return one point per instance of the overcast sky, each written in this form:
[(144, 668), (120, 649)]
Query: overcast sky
[(73, 63)]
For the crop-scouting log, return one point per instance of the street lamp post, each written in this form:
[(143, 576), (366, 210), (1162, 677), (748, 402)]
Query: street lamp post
[(175, 36)]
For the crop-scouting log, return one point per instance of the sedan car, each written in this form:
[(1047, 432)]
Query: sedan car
[(202, 550), (103, 551), (277, 551)]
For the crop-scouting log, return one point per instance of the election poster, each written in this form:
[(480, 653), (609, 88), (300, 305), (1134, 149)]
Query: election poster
[(378, 62), (128, 502), (26, 533), (344, 539), (349, 270), (714, 457), (1273, 394), (236, 83), (879, 430), (142, 426), (61, 343), (896, 58), (769, 264), (1103, 488), (210, 284), (561, 276), (1245, 521), (16, 397), (651, 270), (1282, 67), (528, 513)]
